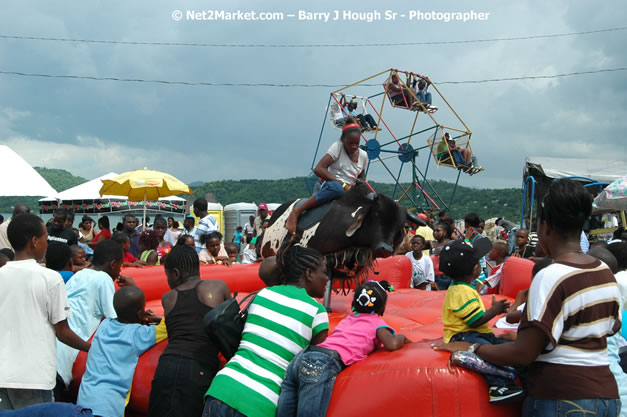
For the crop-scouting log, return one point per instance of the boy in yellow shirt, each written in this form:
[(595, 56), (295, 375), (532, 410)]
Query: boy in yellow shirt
[(464, 316)]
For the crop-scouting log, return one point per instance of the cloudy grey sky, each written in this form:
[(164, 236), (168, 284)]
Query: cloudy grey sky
[(210, 133)]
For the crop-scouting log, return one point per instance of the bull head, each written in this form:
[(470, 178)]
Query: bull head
[(359, 215)]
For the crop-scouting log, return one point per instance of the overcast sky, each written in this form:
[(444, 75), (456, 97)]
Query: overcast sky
[(209, 133)]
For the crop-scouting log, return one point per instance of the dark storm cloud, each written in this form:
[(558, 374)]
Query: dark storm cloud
[(206, 133)]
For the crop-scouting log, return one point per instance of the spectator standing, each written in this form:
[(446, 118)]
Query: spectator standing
[(190, 361), (86, 230), (189, 223), (426, 232), (90, 294), (117, 345), (572, 307), (237, 238), (34, 313), (130, 226), (261, 217), (206, 223), (442, 233), (249, 229), (105, 231), (57, 230), (17, 210)]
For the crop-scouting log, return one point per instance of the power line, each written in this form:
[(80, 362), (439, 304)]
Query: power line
[(320, 45), (207, 84)]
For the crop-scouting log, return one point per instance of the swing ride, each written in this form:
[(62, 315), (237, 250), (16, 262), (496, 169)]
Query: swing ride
[(399, 138)]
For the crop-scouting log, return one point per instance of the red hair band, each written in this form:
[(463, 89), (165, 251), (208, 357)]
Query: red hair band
[(350, 126)]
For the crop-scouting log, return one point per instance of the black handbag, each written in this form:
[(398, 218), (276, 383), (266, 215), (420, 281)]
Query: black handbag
[(225, 324)]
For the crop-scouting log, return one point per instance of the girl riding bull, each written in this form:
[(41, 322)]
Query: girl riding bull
[(339, 168)]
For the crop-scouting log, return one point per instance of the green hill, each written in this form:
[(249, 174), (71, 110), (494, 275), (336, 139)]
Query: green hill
[(486, 202), (59, 179)]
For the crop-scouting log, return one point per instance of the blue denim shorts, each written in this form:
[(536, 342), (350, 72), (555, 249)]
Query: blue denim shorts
[(330, 190)]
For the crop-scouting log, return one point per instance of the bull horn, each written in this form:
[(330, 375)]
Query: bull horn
[(412, 218), (373, 196)]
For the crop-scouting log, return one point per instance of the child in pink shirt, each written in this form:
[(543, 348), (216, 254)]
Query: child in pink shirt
[(306, 389)]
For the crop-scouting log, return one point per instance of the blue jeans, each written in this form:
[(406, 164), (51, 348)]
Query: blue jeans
[(216, 408), (484, 339), (366, 120), (424, 97), (458, 158), (443, 282), (306, 389), (330, 190), (597, 407)]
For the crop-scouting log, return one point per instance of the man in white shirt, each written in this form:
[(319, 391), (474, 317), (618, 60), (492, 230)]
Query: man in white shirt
[(34, 313), (206, 223), (17, 210)]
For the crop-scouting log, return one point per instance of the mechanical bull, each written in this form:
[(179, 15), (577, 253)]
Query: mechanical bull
[(351, 231)]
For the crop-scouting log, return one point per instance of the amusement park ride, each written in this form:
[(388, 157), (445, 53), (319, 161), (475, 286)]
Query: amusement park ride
[(398, 139)]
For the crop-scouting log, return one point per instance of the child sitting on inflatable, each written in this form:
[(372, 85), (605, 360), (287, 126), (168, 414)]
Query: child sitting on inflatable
[(306, 389), (463, 314), (339, 168)]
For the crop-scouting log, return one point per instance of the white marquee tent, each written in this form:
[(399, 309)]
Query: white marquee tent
[(19, 178), (85, 198)]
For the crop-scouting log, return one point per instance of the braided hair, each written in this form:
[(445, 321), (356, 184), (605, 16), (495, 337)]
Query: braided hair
[(184, 258), (370, 297), (293, 260)]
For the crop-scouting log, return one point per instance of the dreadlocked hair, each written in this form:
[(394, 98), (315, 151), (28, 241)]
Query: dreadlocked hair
[(370, 297), (150, 239), (184, 258), (294, 259), (349, 120)]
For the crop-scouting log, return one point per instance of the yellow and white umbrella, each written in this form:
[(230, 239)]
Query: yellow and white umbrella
[(144, 184)]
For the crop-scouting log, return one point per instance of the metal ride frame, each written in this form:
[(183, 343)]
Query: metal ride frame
[(530, 200), (401, 147)]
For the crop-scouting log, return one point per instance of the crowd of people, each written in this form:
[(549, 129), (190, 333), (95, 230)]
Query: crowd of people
[(58, 286)]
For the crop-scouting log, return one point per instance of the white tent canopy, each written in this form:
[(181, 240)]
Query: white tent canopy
[(20, 179), (85, 191), (601, 170), (85, 198), (90, 190)]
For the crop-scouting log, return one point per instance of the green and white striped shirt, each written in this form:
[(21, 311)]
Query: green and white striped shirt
[(281, 322)]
